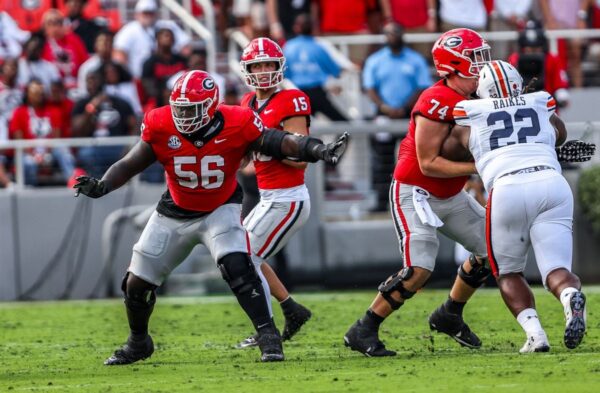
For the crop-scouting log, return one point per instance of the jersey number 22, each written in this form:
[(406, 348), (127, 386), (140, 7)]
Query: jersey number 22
[(508, 126)]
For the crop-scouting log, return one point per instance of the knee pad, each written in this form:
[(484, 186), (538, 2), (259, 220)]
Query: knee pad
[(394, 284), (478, 274), (139, 294), (238, 271)]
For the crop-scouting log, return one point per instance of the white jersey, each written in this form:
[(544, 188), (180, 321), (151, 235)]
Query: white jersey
[(508, 134)]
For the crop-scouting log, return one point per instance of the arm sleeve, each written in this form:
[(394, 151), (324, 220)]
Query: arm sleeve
[(145, 128), (547, 102), (253, 127), (296, 103), (460, 115), (435, 105)]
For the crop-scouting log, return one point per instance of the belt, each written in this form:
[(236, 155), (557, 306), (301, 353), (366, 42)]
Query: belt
[(530, 169)]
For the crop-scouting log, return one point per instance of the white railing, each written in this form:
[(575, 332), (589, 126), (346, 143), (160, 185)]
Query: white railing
[(359, 130), (20, 145), (344, 41), (203, 32)]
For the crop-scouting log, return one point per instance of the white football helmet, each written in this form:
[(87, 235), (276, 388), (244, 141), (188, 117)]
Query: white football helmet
[(499, 79)]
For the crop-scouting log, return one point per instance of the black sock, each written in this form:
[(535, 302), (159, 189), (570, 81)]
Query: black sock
[(454, 307), (288, 305), (372, 320), (254, 303), (138, 315)]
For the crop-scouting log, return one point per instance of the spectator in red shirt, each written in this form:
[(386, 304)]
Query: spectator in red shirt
[(416, 16), (343, 17), (36, 119), (160, 66), (58, 100), (63, 47), (534, 60)]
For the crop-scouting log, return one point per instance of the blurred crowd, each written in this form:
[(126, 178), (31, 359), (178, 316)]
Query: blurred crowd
[(73, 68)]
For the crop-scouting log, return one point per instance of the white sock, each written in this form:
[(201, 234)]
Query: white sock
[(529, 321), (257, 262), (565, 296)]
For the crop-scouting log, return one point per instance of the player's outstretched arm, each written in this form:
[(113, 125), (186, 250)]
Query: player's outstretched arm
[(282, 145), (135, 161), (561, 129), (429, 139)]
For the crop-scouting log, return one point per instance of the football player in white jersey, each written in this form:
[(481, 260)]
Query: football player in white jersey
[(512, 138)]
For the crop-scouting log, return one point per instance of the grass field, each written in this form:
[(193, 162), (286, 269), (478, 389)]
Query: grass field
[(60, 346)]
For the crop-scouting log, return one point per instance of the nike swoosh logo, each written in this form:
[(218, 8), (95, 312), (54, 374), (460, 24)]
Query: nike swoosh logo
[(267, 111), (263, 325), (220, 140)]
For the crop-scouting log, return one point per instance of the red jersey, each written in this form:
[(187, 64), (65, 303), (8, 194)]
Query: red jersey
[(409, 13), (201, 178), (270, 173), (343, 16), (34, 123), (435, 103), (68, 54)]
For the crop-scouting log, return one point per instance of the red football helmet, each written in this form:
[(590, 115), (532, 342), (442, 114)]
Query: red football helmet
[(262, 50), (460, 51), (193, 101)]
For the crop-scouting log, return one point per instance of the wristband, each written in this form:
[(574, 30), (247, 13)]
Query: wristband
[(90, 108)]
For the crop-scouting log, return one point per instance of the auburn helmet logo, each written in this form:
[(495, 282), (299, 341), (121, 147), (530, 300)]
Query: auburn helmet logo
[(453, 42)]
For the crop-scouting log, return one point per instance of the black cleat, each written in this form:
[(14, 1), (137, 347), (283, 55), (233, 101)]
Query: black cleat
[(270, 346), (575, 315), (131, 352), (453, 325), (250, 341), (294, 321), (366, 341)]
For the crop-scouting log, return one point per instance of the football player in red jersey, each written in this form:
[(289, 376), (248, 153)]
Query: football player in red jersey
[(427, 194), (200, 144), (284, 203)]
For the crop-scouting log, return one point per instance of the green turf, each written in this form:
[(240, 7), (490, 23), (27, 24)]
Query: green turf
[(60, 346)]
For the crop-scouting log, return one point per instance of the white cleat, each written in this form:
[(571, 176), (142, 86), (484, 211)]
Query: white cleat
[(575, 314), (537, 343)]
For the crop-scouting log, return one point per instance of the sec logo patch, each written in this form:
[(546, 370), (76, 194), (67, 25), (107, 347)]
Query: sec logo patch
[(174, 142)]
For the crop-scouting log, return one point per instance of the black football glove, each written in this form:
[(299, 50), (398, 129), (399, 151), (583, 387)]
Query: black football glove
[(90, 186), (332, 152), (575, 151)]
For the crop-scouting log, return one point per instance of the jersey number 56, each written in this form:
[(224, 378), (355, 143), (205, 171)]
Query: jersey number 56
[(211, 177)]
